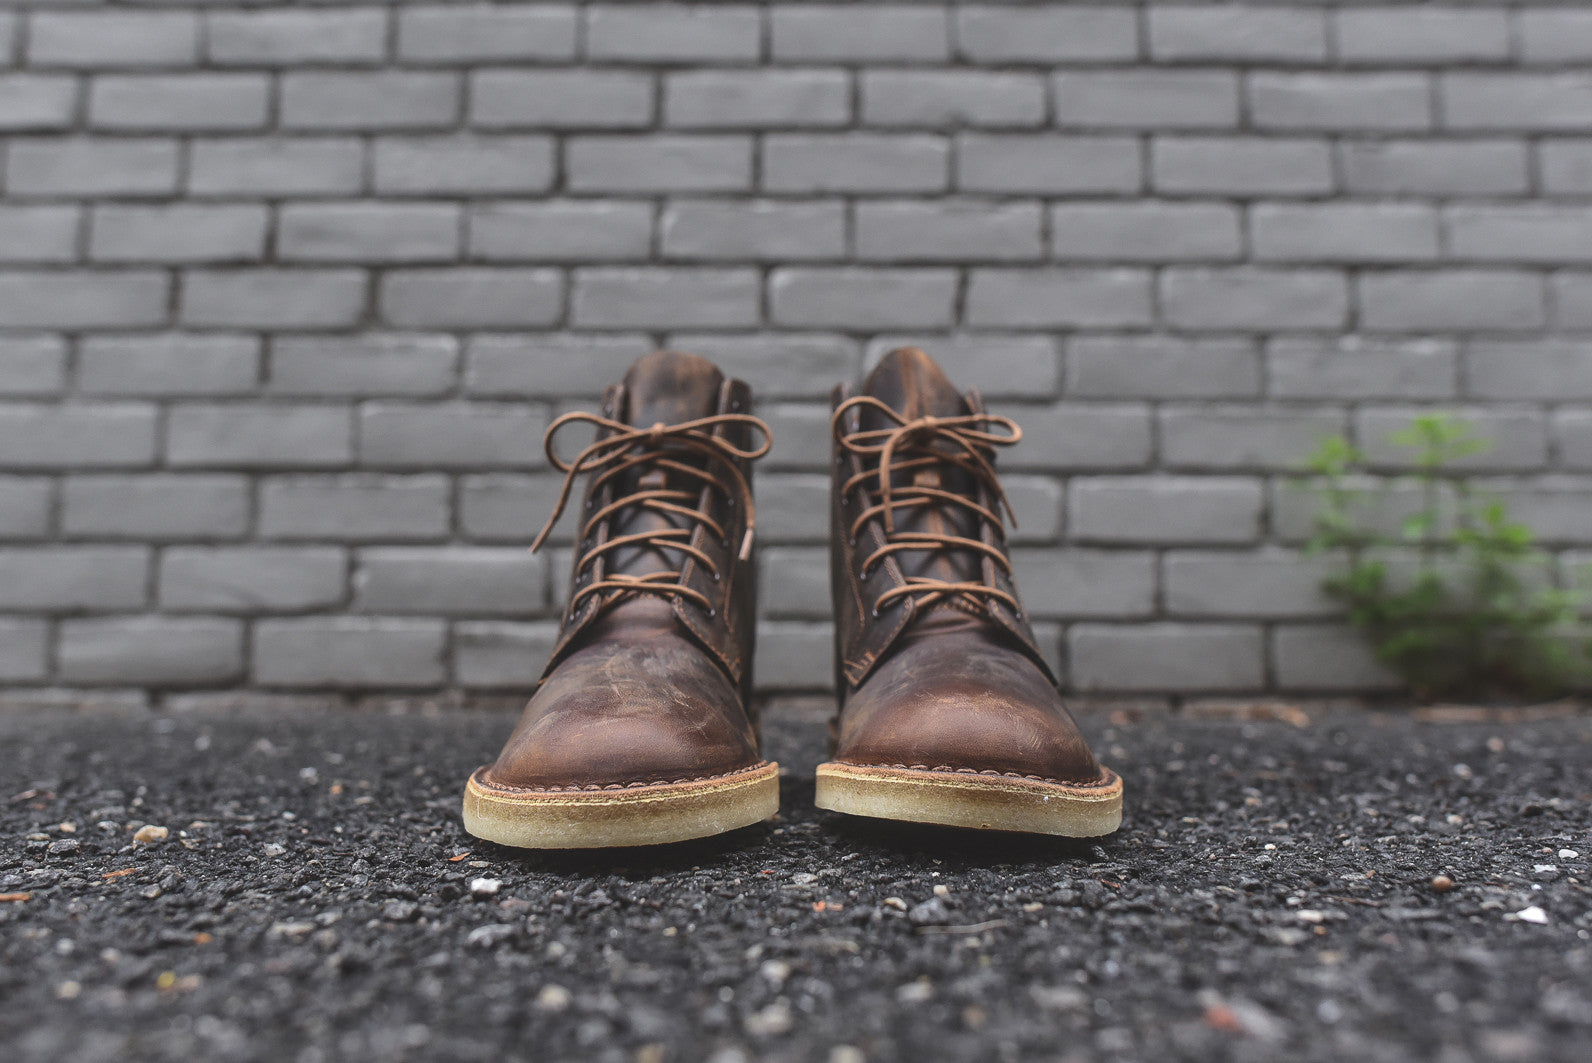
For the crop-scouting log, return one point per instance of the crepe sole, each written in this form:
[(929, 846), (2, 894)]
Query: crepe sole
[(635, 815), (967, 799)]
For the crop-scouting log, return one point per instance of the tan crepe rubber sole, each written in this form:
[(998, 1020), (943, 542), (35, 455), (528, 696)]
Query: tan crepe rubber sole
[(637, 815), (964, 799)]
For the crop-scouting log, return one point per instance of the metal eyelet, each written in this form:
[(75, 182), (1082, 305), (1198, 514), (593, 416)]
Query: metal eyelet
[(712, 612), (876, 611), (715, 577)]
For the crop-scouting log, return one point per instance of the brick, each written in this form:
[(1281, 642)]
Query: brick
[(387, 99), (357, 508), (470, 297), (80, 166), (1236, 33), (1451, 300), (1434, 167), (1572, 300), (946, 98), (507, 507), (451, 581), (42, 234), (283, 37), (111, 39), (24, 650), (673, 33), (1517, 439), (276, 166), (1086, 584), (1551, 37), (251, 579), (31, 102), (780, 364), (1355, 367), (862, 299), (792, 507), (25, 507), (1328, 657), (1436, 35), (1248, 298), (9, 23), (1266, 584), (155, 507), (1047, 34), (794, 581), (855, 162), (560, 99), (451, 435), (168, 363), (1083, 436), (102, 299), (229, 435), (1244, 437), (364, 365), (1566, 167), (658, 163), (1546, 370), (800, 656), (369, 232), (350, 652), (151, 650), (1240, 166), (1383, 505), (1145, 231), (494, 655), (176, 233), (1340, 101), (454, 33), (555, 230), (664, 297), (1047, 164), (179, 102), (756, 99), (539, 365), (801, 435), (69, 436), (73, 578), (1553, 507), (273, 298), (1167, 656), (1572, 441), (1343, 232), (1122, 367), (464, 164), (1532, 233), (947, 231), (1058, 297), (1164, 509), (1515, 102), (1001, 364), (1147, 99), (756, 230), (880, 33), (32, 365)]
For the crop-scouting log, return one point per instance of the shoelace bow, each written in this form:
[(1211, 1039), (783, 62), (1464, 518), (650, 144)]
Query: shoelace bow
[(922, 443), (628, 447)]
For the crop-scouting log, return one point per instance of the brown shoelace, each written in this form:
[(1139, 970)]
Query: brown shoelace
[(659, 447), (923, 443)]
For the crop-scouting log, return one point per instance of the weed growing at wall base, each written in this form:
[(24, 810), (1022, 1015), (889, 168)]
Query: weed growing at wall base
[(1452, 593)]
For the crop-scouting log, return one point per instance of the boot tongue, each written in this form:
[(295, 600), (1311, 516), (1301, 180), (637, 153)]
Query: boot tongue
[(666, 387), (912, 384)]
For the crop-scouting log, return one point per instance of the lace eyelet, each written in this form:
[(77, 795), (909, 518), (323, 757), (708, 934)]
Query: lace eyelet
[(712, 612), (715, 577), (876, 611)]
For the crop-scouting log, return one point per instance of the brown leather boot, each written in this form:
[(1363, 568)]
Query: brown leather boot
[(948, 712), (641, 730)]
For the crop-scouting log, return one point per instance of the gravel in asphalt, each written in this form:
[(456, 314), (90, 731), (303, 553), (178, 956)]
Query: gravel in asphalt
[(244, 886)]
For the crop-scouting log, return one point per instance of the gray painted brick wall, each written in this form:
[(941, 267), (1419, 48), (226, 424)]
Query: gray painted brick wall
[(289, 292)]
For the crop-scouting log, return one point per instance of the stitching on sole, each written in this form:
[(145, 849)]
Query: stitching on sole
[(948, 769), (615, 787)]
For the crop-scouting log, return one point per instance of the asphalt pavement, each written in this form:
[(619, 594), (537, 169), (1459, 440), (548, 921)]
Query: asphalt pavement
[(297, 886)]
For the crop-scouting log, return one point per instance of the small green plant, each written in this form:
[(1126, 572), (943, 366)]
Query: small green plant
[(1448, 599)]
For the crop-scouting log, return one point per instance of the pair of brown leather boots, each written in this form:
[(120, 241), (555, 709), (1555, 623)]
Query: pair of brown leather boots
[(643, 729)]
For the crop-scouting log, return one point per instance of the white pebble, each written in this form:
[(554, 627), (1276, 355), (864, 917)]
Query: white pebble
[(1533, 914), (484, 887), (1569, 854)]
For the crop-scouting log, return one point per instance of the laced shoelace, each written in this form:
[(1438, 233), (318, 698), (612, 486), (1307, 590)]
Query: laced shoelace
[(923, 443), (660, 447)]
